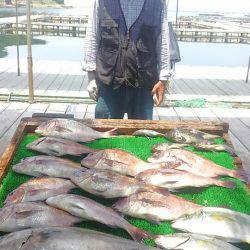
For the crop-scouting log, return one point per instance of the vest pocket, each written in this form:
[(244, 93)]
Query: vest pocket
[(146, 56), (109, 41), (146, 46)]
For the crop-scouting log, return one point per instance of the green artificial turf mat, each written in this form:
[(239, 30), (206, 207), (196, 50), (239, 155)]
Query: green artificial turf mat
[(236, 199)]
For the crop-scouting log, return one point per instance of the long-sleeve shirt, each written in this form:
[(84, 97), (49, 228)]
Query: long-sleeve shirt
[(131, 10)]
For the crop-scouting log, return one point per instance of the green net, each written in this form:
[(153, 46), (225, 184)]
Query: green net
[(236, 199)]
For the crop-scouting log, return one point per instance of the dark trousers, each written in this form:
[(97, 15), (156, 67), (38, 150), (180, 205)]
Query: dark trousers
[(114, 103)]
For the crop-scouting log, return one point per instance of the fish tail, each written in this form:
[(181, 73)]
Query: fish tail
[(110, 133), (227, 184), (230, 150), (138, 234), (241, 174), (159, 190)]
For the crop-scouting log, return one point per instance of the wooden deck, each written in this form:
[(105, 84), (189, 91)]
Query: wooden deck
[(239, 120), (66, 80)]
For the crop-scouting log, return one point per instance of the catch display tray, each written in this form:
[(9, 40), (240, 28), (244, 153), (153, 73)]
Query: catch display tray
[(237, 199)]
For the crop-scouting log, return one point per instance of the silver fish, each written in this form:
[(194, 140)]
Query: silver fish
[(184, 241), (72, 130), (175, 179), (39, 189), (43, 165), (166, 146), (155, 207), (148, 133), (190, 162), (108, 184), (31, 214), (59, 147), (210, 146), (182, 135), (216, 222), (119, 161), (88, 209), (58, 238)]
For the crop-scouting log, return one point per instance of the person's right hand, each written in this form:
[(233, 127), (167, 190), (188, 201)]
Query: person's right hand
[(92, 87)]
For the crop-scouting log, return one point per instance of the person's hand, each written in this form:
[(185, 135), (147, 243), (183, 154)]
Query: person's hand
[(92, 87), (158, 92)]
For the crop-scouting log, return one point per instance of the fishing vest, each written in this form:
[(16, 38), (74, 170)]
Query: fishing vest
[(128, 56)]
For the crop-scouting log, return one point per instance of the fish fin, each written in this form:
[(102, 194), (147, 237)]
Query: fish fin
[(60, 129), (19, 193), (110, 133), (25, 214), (139, 235), (227, 184), (242, 175), (170, 182), (34, 192), (159, 190), (230, 150), (53, 152), (152, 219)]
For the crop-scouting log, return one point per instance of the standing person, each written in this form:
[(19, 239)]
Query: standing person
[(127, 57)]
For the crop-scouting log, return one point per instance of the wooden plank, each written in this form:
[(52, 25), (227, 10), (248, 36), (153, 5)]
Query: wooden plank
[(194, 86), (59, 108), (78, 110), (77, 83), (238, 128), (183, 87), (10, 115), (186, 114), (3, 106), (11, 149), (246, 121), (167, 114), (90, 111), (58, 80), (84, 83), (52, 70), (205, 114), (33, 108)]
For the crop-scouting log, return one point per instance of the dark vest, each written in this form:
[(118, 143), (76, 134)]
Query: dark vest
[(128, 57)]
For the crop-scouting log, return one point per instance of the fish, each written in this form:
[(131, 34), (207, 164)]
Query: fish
[(148, 133), (190, 162), (59, 147), (210, 146), (33, 214), (88, 209), (71, 130), (175, 179), (166, 146), (155, 207), (185, 241), (119, 161), (70, 238), (109, 184), (42, 165), (215, 222), (182, 135), (39, 189)]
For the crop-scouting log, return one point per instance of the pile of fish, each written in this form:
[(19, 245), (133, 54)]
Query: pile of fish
[(41, 214)]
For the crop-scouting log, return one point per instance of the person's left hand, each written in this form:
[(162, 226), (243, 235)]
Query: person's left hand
[(158, 92)]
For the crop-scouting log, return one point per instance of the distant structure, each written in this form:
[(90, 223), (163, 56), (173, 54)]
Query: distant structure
[(8, 2)]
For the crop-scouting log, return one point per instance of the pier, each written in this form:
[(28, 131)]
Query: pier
[(187, 31)]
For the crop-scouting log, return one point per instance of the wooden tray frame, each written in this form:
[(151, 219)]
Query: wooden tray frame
[(126, 127)]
